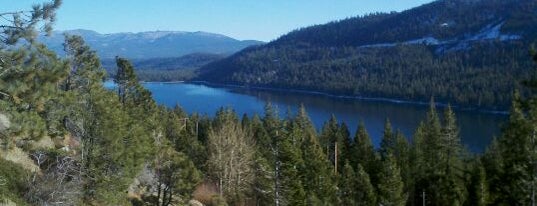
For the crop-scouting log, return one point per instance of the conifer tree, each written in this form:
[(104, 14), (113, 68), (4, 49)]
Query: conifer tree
[(318, 176), (331, 140), (289, 160), (363, 152), (388, 142), (391, 186), (517, 149), (452, 186), (365, 192), (23, 24), (402, 153), (125, 79), (347, 185), (479, 188)]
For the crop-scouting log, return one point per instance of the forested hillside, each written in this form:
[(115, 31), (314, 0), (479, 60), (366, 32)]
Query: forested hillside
[(470, 53), (165, 69)]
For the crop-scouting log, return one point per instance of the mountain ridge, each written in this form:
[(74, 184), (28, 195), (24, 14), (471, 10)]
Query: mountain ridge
[(151, 44), (454, 50)]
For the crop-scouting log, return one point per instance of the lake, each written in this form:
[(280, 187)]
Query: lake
[(476, 128)]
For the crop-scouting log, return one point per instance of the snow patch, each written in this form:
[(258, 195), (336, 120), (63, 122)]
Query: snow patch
[(490, 32), (493, 32)]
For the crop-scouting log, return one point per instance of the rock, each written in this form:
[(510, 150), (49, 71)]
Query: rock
[(195, 203), (4, 122), (7, 202)]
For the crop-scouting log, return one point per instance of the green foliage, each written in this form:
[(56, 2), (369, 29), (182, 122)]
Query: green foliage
[(391, 186), (176, 175), (18, 25), (12, 181), (388, 142), (365, 192), (367, 56), (363, 151), (264, 161), (479, 188)]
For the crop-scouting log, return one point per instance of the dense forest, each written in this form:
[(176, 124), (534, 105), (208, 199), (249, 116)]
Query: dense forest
[(165, 69), (66, 140), (443, 49)]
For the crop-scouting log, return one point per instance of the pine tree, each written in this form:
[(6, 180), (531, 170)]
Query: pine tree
[(363, 152), (391, 186), (331, 140), (388, 142), (517, 149), (428, 156), (452, 187), (23, 24), (479, 188), (263, 185), (124, 78), (347, 185), (318, 177), (289, 159), (493, 164), (176, 177), (402, 153), (345, 145), (365, 192)]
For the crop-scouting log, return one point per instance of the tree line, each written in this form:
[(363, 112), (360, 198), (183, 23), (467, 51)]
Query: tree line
[(367, 55)]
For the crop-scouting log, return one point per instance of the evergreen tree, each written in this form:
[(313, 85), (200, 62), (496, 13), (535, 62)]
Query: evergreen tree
[(289, 160), (493, 164), (347, 185), (363, 152), (402, 153), (176, 177), (479, 188), (365, 192), (263, 185), (452, 181), (124, 78), (318, 176), (517, 149), (388, 142), (331, 140), (391, 186), (23, 24), (345, 142)]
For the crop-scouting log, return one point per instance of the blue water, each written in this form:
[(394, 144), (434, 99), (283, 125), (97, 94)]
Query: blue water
[(476, 129)]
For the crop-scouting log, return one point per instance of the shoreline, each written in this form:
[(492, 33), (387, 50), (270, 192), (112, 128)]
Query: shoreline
[(377, 99)]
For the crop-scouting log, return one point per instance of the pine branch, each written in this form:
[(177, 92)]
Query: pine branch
[(5, 94), (14, 13)]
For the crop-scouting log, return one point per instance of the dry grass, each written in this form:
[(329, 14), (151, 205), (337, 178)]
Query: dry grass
[(205, 192), (18, 156), (43, 143)]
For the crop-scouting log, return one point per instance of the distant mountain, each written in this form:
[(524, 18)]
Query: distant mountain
[(467, 52), (189, 61), (165, 69), (154, 44)]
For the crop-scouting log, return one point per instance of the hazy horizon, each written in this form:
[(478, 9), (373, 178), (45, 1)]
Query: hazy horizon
[(238, 19)]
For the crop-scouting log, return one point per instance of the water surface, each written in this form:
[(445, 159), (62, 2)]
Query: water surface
[(476, 128)]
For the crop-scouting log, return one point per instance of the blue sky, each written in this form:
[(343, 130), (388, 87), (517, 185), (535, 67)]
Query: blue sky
[(242, 19)]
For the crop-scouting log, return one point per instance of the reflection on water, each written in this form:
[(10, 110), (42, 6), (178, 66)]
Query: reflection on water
[(476, 129)]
